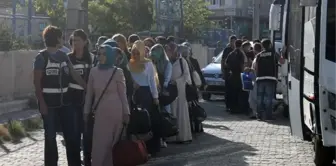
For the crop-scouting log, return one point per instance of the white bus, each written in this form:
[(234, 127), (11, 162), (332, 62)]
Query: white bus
[(310, 70)]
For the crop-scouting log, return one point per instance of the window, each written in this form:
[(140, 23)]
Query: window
[(330, 47), (295, 38)]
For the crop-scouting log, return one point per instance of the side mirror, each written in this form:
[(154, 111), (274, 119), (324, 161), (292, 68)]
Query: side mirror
[(308, 2)]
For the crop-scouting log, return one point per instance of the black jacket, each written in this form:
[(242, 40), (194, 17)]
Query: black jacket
[(197, 68)]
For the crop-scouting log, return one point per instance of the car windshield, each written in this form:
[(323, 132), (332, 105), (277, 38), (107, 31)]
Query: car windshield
[(218, 58)]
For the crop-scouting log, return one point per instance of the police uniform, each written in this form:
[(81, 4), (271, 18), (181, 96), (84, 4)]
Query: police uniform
[(75, 90), (266, 82), (55, 82), (266, 65)]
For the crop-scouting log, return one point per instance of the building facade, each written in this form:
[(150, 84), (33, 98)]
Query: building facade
[(237, 15), (38, 22)]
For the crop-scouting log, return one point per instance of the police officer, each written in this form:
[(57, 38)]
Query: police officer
[(266, 64), (81, 58), (52, 74)]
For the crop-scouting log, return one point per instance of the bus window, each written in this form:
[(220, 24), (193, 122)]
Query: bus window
[(295, 38), (330, 48)]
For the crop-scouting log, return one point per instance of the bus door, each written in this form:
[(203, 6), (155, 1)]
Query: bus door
[(294, 43), (327, 73), (309, 73)]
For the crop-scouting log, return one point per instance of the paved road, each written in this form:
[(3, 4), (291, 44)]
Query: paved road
[(229, 140)]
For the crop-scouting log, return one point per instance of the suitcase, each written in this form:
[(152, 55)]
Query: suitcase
[(129, 152)]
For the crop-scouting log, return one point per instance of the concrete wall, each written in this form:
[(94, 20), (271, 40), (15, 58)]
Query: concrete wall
[(16, 70), (16, 73)]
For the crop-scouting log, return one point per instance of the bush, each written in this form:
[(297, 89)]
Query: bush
[(16, 130), (7, 42), (32, 124)]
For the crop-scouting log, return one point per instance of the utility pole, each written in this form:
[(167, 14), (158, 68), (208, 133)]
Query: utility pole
[(30, 15), (72, 17), (14, 2), (256, 20), (85, 7), (181, 21)]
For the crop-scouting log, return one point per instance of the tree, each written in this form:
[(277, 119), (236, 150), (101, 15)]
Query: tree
[(195, 16), (120, 16), (56, 11)]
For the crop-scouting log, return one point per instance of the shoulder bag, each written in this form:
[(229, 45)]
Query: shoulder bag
[(102, 94)]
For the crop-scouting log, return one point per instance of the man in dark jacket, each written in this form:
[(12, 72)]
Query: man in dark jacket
[(266, 72), (235, 63), (228, 49)]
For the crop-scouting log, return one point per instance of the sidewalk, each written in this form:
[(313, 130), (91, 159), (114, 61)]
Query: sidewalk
[(229, 140)]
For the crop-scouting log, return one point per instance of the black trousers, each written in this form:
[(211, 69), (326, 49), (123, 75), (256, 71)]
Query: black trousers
[(143, 97)]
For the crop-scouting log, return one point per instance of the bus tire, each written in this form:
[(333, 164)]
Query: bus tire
[(324, 156)]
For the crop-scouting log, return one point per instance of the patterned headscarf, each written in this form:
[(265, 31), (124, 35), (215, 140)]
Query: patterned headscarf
[(111, 54), (159, 58)]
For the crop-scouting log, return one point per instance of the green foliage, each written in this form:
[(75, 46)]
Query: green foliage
[(7, 42), (16, 130), (195, 17), (32, 124), (56, 12), (120, 16)]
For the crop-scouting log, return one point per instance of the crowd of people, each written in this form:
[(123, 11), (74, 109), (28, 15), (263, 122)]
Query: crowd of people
[(89, 95), (260, 62)]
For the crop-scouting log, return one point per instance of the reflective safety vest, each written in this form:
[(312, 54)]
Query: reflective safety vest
[(55, 81), (75, 90)]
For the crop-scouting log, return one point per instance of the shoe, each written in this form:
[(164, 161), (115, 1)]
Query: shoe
[(253, 117), (163, 144)]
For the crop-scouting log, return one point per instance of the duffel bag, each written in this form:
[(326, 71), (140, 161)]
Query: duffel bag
[(129, 152), (197, 112), (168, 126), (168, 95), (140, 122)]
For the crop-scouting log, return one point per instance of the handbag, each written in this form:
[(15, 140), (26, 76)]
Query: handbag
[(197, 112), (102, 94), (191, 90), (168, 125), (168, 95), (196, 78), (140, 121), (129, 152)]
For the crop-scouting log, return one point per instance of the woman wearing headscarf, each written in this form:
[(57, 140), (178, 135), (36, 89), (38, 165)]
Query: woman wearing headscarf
[(186, 53), (112, 112), (146, 90), (179, 108), (123, 63), (122, 44), (195, 64), (149, 42), (164, 70)]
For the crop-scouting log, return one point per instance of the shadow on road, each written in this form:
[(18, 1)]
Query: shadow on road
[(205, 150)]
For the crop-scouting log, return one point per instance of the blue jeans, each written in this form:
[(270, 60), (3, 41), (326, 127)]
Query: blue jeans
[(265, 95), (66, 117)]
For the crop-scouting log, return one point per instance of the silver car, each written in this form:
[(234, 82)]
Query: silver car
[(214, 79)]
